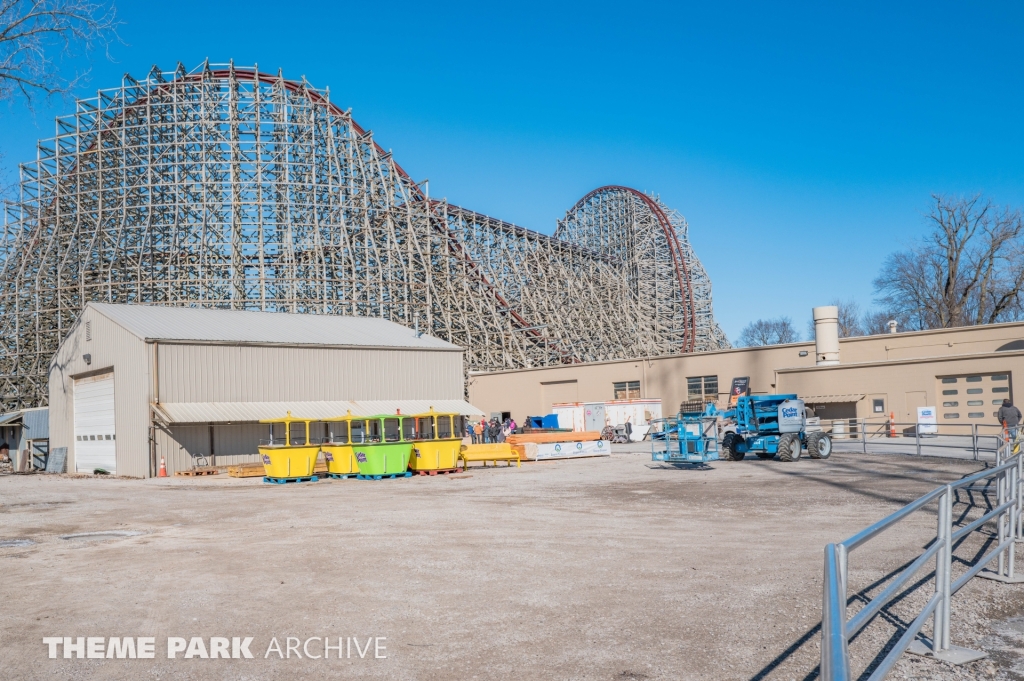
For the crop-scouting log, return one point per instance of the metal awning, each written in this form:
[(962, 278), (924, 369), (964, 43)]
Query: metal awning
[(253, 412), (832, 399), (10, 418)]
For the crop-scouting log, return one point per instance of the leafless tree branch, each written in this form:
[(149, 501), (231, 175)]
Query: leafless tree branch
[(35, 33)]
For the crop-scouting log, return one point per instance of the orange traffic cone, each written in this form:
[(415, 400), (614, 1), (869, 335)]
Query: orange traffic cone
[(163, 469), (892, 424)]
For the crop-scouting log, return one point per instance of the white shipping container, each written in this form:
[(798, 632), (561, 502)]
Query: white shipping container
[(640, 413), (570, 415)]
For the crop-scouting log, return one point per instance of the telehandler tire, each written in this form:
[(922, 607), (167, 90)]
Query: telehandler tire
[(790, 447), (729, 443), (819, 445)]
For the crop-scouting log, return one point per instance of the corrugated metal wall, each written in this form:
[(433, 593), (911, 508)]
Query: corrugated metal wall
[(232, 444), (219, 373), (37, 423), (128, 356)]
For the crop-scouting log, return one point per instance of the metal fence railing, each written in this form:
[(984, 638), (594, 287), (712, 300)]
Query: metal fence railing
[(837, 630), (979, 440)]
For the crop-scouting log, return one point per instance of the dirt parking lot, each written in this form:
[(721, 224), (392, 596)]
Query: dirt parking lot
[(610, 568)]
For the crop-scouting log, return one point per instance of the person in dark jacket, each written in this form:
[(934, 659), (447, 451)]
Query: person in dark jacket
[(1009, 416)]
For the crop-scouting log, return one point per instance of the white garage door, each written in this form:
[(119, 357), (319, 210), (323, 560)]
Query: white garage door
[(973, 398), (94, 424)]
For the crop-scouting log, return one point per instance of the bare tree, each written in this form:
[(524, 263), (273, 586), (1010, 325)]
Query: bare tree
[(876, 322), (849, 318), (969, 270), (769, 332), (34, 32)]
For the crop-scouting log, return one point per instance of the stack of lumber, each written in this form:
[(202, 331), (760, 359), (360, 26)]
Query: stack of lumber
[(525, 444), (247, 470), (544, 438), (526, 451)]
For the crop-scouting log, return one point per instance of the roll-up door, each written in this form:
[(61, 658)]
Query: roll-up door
[(973, 398), (94, 424)]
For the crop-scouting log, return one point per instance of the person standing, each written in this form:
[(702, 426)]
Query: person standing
[(629, 429), (1009, 416)]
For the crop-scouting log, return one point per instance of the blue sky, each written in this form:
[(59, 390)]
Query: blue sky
[(801, 140)]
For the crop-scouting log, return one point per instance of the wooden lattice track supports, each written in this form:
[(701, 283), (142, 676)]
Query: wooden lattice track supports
[(228, 187)]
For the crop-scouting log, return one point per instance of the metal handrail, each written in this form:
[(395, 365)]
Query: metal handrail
[(837, 631), (865, 429), (887, 522)]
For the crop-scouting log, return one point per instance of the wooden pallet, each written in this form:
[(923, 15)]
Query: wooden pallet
[(204, 470), (436, 471)]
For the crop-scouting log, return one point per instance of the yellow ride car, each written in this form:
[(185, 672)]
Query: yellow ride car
[(335, 440), (436, 441), (287, 453)]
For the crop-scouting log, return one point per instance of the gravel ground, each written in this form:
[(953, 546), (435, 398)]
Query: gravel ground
[(612, 568)]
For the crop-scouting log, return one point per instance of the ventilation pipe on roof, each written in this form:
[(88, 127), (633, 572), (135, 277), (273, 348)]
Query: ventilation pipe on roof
[(826, 334)]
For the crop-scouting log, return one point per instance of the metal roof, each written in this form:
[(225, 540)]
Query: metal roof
[(9, 417), (155, 322), (252, 412)]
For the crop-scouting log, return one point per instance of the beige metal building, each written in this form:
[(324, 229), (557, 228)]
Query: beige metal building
[(965, 373), (134, 383)]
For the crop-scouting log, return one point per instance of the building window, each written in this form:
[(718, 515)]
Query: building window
[(702, 388), (949, 380), (951, 416), (950, 404), (878, 406), (88, 331), (627, 390), (1000, 377), (975, 403), (1000, 390), (976, 415), (975, 391), (949, 392), (974, 379)]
